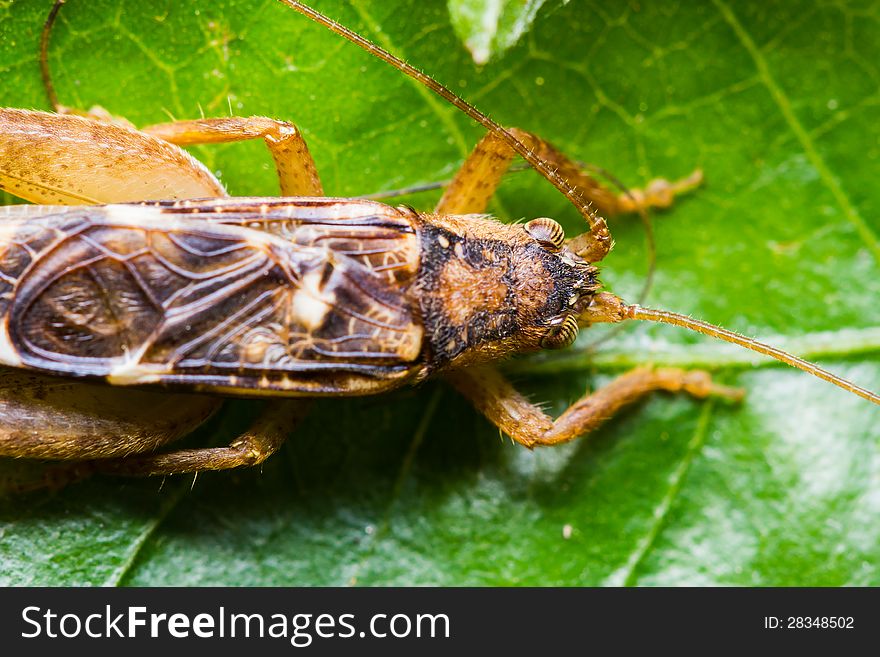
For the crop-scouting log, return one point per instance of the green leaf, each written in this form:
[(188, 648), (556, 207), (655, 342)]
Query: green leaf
[(777, 102), (491, 27)]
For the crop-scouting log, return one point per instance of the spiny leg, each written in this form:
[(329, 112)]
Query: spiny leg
[(75, 423), (264, 438), (480, 175), (296, 169), (54, 418), (528, 425)]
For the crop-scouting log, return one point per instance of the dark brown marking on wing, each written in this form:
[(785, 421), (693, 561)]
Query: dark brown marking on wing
[(140, 296)]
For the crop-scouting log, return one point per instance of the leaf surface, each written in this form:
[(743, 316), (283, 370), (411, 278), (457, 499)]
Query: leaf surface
[(777, 102), (488, 28)]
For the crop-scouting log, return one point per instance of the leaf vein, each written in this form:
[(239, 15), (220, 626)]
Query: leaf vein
[(626, 576), (118, 576), (785, 107)]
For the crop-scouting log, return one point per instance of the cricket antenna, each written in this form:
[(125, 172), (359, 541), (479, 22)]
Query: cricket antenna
[(44, 57), (598, 229), (608, 308)]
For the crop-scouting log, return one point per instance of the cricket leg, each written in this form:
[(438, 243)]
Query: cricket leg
[(528, 425), (75, 423), (296, 169), (481, 173), (58, 159), (54, 418), (264, 438)]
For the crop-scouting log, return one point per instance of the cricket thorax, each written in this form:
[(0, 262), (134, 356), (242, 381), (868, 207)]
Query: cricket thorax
[(488, 290)]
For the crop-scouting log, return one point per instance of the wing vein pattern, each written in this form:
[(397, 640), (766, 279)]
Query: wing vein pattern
[(301, 296)]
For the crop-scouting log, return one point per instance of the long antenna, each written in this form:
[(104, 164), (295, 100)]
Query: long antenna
[(598, 228), (666, 317), (44, 56), (611, 309)]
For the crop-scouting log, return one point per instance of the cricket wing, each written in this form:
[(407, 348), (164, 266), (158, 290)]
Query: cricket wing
[(125, 293), (380, 237)]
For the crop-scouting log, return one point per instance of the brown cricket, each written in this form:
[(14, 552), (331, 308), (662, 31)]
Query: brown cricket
[(151, 274)]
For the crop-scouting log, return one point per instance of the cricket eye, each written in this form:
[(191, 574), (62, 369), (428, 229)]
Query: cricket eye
[(547, 233), (562, 334)]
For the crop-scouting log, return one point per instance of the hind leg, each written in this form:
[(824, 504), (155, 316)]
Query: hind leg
[(59, 159), (45, 417), (56, 419), (90, 428), (296, 170), (263, 439), (72, 160)]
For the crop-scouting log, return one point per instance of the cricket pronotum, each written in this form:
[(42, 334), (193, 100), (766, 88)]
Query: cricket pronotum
[(153, 275)]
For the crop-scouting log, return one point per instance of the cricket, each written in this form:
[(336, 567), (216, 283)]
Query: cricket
[(136, 294)]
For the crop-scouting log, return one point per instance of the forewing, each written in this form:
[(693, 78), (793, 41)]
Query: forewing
[(379, 237), (137, 295)]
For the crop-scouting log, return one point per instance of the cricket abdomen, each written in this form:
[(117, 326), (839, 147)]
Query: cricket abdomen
[(159, 294)]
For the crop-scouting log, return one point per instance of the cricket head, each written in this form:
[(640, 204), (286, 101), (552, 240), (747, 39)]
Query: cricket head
[(488, 290), (571, 281)]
